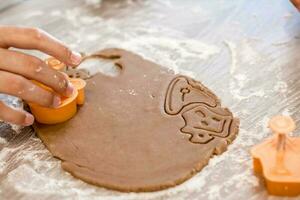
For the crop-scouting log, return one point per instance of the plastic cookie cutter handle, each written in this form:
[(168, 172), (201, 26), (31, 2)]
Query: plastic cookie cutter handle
[(281, 126)]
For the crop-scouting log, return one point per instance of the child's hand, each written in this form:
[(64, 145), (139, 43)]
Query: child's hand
[(296, 3), (17, 69)]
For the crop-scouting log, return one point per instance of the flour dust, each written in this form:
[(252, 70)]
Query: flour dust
[(31, 172)]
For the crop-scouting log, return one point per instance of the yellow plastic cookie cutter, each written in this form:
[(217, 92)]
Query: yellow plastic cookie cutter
[(68, 107), (277, 159)]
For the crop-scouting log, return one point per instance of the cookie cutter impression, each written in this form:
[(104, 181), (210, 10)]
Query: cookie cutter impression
[(68, 107), (277, 159)]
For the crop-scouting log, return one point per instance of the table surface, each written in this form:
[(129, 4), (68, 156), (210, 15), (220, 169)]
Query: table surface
[(247, 52)]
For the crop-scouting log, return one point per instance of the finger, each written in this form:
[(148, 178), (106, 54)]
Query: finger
[(33, 68), (21, 87), (296, 3), (15, 116), (33, 38)]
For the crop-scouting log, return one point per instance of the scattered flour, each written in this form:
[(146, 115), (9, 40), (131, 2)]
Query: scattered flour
[(160, 44), (38, 69), (288, 15), (98, 65), (281, 87), (2, 141), (233, 54), (132, 92), (21, 91), (96, 3), (240, 84), (164, 50), (16, 128), (39, 176), (55, 13), (34, 13), (31, 88)]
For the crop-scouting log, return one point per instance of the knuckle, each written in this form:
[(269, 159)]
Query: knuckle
[(34, 65), (17, 84), (47, 99), (67, 51), (62, 83), (36, 33)]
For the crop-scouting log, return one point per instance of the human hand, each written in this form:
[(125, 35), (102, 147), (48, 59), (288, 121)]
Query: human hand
[(296, 3), (17, 69)]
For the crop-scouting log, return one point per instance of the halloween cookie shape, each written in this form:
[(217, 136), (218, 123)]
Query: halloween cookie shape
[(183, 91), (277, 159), (144, 130)]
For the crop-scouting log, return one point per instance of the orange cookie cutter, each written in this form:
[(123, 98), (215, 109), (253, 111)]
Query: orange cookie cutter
[(277, 159), (68, 107)]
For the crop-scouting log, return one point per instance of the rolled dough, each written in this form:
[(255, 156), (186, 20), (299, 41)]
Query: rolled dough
[(144, 130)]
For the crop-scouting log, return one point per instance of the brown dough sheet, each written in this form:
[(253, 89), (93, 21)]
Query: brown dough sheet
[(144, 130)]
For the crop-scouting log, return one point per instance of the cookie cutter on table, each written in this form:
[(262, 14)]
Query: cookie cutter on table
[(68, 107), (277, 159)]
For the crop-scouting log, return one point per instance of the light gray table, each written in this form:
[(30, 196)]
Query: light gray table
[(245, 51)]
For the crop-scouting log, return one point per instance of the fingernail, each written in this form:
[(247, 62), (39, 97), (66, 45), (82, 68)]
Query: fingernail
[(70, 89), (29, 119), (75, 58), (56, 101)]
